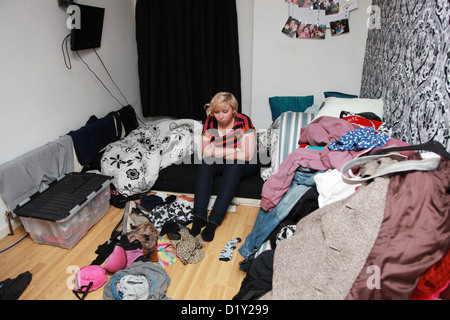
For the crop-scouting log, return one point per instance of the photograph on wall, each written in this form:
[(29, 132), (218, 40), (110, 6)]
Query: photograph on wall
[(305, 3), (290, 27), (311, 31), (302, 3), (327, 5), (339, 27), (319, 5), (331, 7)]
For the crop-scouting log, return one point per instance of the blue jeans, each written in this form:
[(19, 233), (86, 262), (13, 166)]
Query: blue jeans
[(232, 172), (267, 221)]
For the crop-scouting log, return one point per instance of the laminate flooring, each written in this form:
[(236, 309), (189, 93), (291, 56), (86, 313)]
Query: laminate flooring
[(53, 268)]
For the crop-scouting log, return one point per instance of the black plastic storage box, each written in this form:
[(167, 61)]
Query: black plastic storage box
[(63, 213)]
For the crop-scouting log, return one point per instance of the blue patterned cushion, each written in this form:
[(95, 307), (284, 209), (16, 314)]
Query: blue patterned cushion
[(278, 105)]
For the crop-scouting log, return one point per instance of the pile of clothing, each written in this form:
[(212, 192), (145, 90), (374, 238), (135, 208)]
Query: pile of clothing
[(374, 240), (136, 252)]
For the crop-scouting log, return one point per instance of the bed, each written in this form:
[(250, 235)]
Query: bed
[(164, 157)]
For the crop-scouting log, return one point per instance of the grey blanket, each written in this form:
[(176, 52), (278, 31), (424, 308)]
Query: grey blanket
[(22, 177)]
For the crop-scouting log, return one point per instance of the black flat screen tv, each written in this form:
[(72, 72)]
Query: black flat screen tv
[(89, 35)]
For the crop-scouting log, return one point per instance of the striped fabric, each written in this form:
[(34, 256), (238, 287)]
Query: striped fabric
[(242, 123), (290, 125)]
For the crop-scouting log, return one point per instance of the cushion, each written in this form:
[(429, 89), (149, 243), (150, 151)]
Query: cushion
[(290, 126), (336, 94), (333, 106), (278, 105)]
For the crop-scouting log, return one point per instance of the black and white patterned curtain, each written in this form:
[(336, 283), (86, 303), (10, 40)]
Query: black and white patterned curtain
[(407, 64)]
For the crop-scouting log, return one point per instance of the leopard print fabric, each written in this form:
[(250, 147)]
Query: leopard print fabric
[(189, 248)]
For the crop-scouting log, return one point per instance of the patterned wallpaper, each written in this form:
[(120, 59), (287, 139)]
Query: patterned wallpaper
[(407, 64)]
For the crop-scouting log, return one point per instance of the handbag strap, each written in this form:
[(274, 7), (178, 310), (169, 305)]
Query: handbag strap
[(84, 290), (431, 145), (427, 164)]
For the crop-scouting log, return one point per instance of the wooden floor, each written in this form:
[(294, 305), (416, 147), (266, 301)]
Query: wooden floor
[(52, 268)]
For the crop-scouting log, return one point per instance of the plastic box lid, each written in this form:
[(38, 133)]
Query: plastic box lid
[(63, 196)]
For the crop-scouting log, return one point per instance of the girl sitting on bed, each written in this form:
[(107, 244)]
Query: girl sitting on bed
[(229, 149)]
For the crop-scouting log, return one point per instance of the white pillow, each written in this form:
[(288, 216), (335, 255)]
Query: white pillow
[(333, 106)]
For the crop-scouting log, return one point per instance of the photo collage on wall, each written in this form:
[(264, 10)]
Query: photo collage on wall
[(295, 29), (309, 19)]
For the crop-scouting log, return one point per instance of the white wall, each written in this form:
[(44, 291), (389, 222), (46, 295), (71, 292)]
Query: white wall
[(299, 67), (40, 98)]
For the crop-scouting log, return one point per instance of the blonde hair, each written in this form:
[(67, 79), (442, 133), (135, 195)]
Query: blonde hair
[(220, 99)]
